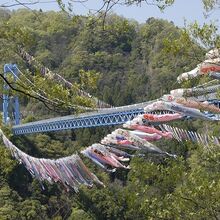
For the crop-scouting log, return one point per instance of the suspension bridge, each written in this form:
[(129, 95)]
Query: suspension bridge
[(99, 117), (70, 171)]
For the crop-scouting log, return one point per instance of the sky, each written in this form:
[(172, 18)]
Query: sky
[(190, 10)]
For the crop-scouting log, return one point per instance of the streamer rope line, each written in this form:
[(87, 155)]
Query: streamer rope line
[(57, 77)]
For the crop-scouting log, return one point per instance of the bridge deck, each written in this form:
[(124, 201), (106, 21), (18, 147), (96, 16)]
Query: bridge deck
[(102, 117)]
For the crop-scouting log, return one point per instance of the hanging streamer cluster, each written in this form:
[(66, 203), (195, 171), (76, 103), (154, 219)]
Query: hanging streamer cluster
[(142, 132), (210, 65), (186, 135), (58, 78), (42, 95), (204, 106), (106, 157), (44, 70), (189, 92), (136, 135), (69, 171), (142, 129), (137, 139), (173, 106)]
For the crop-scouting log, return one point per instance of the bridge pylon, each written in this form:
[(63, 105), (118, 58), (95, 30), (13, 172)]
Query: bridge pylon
[(12, 70)]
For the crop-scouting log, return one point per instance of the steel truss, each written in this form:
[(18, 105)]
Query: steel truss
[(73, 122)]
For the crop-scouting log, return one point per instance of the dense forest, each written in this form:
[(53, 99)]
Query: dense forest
[(133, 66)]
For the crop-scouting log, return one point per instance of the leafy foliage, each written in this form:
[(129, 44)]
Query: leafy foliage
[(123, 64)]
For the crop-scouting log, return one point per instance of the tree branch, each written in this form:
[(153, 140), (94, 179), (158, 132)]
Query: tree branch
[(45, 102), (4, 5)]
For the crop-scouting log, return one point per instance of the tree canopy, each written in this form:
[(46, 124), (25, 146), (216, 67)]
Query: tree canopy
[(131, 63)]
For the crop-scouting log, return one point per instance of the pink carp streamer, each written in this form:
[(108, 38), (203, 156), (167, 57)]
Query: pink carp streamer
[(207, 68), (162, 118), (149, 130), (105, 158), (211, 64)]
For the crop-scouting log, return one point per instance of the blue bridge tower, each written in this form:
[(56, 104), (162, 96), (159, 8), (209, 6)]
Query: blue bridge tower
[(10, 69)]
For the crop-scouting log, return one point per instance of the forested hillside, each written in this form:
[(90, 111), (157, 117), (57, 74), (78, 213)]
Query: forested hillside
[(132, 66)]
